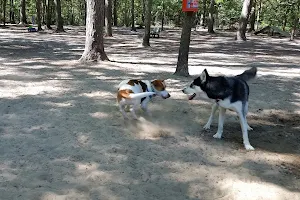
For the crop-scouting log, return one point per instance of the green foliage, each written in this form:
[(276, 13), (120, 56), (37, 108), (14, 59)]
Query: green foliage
[(281, 13)]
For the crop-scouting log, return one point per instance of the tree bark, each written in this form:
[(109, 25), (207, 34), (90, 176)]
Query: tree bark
[(132, 16), (108, 17), (144, 10), (11, 12), (48, 14), (241, 33), (204, 13), (146, 38), (4, 11), (295, 22), (163, 15), (182, 62), (94, 47), (38, 13), (115, 13), (59, 19), (211, 19), (258, 14), (252, 17), (23, 18)]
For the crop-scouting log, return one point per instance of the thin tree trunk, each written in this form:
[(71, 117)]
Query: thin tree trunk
[(211, 19), (295, 22), (163, 16), (132, 16), (38, 13), (125, 14), (59, 20), (252, 17), (108, 17), (48, 14), (23, 17), (72, 22), (146, 38), (204, 13), (284, 21), (85, 13), (115, 13), (258, 14), (183, 56), (44, 12), (4, 11), (12, 12), (241, 33), (94, 47), (144, 10)]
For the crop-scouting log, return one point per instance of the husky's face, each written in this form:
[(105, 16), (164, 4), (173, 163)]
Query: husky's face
[(194, 89)]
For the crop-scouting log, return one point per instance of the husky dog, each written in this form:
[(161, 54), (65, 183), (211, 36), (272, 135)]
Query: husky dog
[(228, 93)]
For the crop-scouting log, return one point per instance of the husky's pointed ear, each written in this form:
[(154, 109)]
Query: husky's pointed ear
[(203, 76)]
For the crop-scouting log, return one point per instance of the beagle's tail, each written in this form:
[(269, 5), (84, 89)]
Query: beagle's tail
[(140, 95)]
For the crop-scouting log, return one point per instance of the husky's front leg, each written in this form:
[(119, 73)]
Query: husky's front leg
[(211, 117), (220, 123), (244, 126)]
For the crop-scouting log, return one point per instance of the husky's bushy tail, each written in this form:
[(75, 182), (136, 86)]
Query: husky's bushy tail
[(248, 74)]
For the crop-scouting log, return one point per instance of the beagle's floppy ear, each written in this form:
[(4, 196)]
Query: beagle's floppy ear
[(204, 75)]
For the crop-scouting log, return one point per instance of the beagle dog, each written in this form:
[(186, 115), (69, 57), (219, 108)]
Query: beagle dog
[(132, 93)]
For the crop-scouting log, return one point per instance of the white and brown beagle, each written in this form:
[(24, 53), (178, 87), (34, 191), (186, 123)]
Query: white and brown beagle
[(132, 93)]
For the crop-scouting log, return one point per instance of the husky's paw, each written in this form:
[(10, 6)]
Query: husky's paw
[(249, 128), (217, 136), (206, 126), (248, 147)]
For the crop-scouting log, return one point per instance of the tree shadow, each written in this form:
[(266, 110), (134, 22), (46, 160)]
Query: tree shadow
[(62, 135)]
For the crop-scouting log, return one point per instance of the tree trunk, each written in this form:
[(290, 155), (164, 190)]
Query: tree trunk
[(295, 22), (72, 22), (48, 14), (12, 12), (23, 17), (43, 11), (132, 16), (204, 13), (38, 14), (4, 12), (258, 14), (144, 10), (284, 21), (108, 17), (146, 38), (163, 16), (125, 14), (59, 20), (241, 33), (252, 17), (115, 13), (211, 19), (182, 62), (94, 47)]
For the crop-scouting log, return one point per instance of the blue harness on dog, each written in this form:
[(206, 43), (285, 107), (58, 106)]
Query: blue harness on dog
[(151, 91)]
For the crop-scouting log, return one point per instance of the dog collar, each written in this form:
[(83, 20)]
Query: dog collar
[(152, 90)]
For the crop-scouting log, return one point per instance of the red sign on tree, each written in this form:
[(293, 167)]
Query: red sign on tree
[(190, 5)]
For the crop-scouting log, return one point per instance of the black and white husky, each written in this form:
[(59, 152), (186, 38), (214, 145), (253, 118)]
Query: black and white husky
[(228, 93)]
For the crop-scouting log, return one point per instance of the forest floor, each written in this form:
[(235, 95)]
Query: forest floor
[(63, 137)]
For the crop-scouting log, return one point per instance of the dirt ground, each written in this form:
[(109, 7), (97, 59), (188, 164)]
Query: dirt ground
[(62, 136)]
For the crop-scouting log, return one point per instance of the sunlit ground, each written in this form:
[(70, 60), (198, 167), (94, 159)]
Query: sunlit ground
[(62, 136)]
